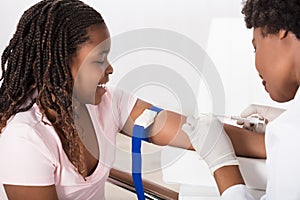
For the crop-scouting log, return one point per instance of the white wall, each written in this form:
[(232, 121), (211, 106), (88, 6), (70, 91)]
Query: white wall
[(217, 26)]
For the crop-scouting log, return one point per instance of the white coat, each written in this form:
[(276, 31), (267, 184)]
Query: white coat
[(282, 139)]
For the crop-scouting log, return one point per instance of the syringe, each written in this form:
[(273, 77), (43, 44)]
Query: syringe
[(255, 119)]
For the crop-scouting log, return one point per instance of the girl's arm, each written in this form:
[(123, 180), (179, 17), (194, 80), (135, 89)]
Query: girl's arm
[(166, 130), (15, 192)]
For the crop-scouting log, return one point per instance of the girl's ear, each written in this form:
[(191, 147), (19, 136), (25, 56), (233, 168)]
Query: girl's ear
[(282, 33)]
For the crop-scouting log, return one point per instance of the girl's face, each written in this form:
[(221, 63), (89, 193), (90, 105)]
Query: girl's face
[(274, 63), (90, 68)]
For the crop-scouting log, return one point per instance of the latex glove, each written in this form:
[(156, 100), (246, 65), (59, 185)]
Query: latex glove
[(264, 112), (210, 140)]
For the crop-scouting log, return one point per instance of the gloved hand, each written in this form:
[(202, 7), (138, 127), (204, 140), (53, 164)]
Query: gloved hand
[(210, 140), (265, 112)]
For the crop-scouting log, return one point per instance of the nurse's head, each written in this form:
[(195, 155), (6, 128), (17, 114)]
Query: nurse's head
[(276, 40), (53, 56)]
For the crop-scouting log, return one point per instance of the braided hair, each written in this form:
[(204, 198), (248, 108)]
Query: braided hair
[(37, 59), (273, 15)]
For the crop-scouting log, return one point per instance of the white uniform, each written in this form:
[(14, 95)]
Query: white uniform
[(283, 164)]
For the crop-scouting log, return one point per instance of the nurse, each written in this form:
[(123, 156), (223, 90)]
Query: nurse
[(276, 41)]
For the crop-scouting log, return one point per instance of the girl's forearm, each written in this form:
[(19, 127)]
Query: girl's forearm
[(246, 143)]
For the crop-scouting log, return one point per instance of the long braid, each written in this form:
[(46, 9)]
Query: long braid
[(37, 59)]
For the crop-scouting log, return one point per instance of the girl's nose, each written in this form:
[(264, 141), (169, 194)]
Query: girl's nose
[(109, 70)]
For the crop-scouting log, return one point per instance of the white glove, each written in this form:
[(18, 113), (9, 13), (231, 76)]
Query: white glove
[(210, 140), (264, 112)]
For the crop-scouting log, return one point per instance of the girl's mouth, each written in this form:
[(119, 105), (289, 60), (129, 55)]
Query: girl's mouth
[(101, 85)]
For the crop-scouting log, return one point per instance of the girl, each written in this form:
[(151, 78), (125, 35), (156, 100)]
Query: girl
[(58, 119)]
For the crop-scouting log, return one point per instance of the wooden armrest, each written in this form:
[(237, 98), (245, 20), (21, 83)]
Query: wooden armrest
[(124, 180)]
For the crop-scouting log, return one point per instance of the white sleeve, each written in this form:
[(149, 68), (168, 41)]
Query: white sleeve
[(282, 143), (25, 160), (237, 192)]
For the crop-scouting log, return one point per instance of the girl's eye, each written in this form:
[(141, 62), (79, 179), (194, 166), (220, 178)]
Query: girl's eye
[(99, 65), (99, 62)]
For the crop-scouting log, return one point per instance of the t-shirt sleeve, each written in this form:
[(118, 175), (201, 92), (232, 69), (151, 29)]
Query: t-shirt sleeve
[(125, 103), (25, 159)]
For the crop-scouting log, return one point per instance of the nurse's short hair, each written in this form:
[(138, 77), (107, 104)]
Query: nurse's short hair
[(273, 15)]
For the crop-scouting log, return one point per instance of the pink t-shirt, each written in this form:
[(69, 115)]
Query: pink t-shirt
[(31, 153)]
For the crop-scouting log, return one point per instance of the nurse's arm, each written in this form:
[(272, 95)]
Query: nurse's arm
[(166, 130)]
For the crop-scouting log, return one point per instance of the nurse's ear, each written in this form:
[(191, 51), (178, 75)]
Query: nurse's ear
[(282, 34)]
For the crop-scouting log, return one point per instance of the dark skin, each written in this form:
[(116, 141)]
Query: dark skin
[(166, 129)]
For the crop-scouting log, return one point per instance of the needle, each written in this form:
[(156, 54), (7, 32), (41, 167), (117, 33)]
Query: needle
[(252, 120)]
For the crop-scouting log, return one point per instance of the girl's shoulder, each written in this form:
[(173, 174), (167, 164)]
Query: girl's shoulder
[(28, 120), (29, 127)]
